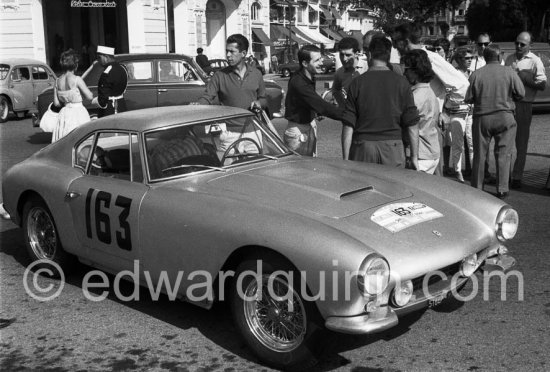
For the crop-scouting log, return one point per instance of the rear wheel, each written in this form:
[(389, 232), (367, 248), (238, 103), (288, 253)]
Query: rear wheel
[(41, 237), (274, 319), (4, 109)]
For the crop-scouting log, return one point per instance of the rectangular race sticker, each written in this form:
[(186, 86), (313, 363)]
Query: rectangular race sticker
[(399, 216)]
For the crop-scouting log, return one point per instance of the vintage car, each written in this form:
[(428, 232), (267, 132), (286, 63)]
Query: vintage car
[(294, 243), (329, 65), (542, 50), (156, 80), (21, 81)]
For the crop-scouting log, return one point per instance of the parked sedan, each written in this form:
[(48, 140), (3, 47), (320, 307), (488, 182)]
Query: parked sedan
[(21, 81), (287, 69), (207, 199), (542, 50), (156, 80)]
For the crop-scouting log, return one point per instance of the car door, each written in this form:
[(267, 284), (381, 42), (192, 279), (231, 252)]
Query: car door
[(22, 88), (41, 78), (141, 91), (105, 201), (178, 83)]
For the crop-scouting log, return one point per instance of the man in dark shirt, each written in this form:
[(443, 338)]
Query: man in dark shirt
[(493, 90), (238, 84), (202, 60), (352, 67), (303, 104), (380, 104), (112, 83)]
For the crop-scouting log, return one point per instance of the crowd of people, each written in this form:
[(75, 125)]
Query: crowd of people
[(432, 111)]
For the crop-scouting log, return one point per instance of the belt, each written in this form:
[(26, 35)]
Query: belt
[(114, 98)]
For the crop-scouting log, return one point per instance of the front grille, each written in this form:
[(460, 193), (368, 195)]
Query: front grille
[(440, 275)]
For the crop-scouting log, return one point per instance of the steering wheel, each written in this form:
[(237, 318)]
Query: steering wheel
[(237, 153)]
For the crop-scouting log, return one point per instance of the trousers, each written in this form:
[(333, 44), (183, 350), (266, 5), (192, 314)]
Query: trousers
[(502, 127), (524, 115)]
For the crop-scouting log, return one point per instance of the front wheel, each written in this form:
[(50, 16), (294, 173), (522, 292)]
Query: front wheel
[(41, 237), (274, 319), (4, 109)]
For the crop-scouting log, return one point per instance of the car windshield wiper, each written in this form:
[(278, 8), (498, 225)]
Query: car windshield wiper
[(194, 166)]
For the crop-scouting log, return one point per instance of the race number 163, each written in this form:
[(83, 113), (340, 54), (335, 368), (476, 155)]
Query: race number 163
[(101, 202)]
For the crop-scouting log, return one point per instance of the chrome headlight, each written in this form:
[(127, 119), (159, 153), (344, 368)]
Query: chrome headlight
[(506, 224), (402, 293), (374, 275)]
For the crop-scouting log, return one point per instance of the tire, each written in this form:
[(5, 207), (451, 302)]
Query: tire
[(4, 109), (41, 237), (264, 322), (285, 72)]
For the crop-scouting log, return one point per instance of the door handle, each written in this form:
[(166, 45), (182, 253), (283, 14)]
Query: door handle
[(70, 195), (162, 90)]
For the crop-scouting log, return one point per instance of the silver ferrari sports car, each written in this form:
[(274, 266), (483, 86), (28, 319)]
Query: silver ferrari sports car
[(206, 203)]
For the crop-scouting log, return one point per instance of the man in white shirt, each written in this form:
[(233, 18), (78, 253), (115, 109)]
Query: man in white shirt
[(530, 70), (449, 85)]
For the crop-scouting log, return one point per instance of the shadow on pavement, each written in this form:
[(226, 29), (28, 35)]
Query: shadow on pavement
[(40, 138)]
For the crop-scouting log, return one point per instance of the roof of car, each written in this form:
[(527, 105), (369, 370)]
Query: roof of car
[(138, 56), (20, 61), (159, 117)]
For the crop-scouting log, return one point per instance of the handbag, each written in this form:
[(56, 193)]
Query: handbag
[(49, 120)]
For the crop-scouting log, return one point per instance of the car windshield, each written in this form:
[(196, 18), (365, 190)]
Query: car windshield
[(4, 69), (210, 146)]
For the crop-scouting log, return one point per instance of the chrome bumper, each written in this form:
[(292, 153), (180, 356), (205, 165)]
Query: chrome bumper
[(381, 319)]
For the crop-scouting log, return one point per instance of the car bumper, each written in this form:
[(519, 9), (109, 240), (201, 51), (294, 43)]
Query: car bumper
[(385, 317)]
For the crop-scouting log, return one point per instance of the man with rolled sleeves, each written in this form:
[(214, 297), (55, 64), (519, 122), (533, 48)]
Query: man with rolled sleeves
[(530, 70), (112, 83)]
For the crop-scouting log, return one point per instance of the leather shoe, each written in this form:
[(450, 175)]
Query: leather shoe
[(459, 177), (515, 184), (502, 195)]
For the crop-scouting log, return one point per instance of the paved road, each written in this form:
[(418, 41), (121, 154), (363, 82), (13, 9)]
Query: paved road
[(72, 333)]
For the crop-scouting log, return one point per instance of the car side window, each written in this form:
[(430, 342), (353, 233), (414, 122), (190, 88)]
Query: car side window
[(20, 74), (82, 153), (39, 73), (139, 71), (4, 70), (112, 156), (175, 71)]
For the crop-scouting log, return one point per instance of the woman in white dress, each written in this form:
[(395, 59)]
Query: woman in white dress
[(68, 92)]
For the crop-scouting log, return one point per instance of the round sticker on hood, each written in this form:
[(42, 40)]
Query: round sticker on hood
[(399, 216)]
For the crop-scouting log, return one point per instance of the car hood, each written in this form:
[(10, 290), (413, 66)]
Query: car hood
[(320, 188)]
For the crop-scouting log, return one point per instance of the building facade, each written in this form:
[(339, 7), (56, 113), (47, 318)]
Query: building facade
[(42, 29)]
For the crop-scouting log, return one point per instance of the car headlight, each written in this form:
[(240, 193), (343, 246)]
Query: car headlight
[(374, 275), (402, 293), (506, 224), (469, 265)]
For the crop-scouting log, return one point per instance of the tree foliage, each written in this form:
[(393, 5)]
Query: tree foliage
[(394, 12), (504, 19)]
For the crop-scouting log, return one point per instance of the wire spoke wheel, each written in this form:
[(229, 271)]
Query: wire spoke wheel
[(275, 314), (41, 233)]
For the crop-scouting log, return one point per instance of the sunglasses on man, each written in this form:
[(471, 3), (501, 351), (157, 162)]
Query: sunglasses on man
[(437, 49), (520, 44), (483, 44)]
